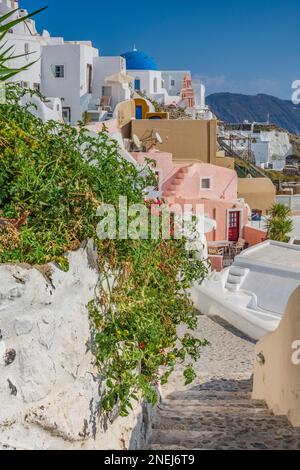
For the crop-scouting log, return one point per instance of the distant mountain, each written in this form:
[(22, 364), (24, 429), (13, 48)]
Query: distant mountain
[(236, 108)]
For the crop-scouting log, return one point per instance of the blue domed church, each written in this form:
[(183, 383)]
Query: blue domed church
[(139, 60), (143, 68), (164, 87)]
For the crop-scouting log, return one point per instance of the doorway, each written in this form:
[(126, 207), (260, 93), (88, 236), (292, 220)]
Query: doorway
[(234, 218), (138, 111)]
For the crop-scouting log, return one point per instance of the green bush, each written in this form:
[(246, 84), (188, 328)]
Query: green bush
[(279, 224), (52, 180)]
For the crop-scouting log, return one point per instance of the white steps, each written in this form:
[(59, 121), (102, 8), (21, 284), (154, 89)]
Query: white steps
[(236, 277)]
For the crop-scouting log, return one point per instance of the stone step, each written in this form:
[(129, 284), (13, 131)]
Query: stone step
[(200, 395), (232, 287), (195, 406), (238, 271), (219, 420), (230, 438), (160, 447), (233, 279)]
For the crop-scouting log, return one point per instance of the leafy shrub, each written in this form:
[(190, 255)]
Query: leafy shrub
[(279, 223), (52, 180)]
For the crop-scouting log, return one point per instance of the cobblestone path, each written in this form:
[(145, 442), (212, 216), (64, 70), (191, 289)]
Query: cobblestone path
[(216, 411)]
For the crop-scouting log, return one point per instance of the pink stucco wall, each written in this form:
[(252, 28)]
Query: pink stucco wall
[(164, 164), (223, 182), (184, 182), (253, 235), (216, 263)]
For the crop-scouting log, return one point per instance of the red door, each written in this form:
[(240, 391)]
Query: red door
[(234, 226)]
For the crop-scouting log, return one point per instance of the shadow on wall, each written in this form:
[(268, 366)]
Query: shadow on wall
[(142, 431)]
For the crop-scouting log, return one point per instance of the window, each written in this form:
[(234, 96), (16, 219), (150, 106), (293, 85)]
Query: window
[(123, 65), (205, 183), (66, 113), (59, 71), (172, 82), (155, 85), (26, 50), (24, 84), (137, 84), (89, 78), (36, 86), (106, 91)]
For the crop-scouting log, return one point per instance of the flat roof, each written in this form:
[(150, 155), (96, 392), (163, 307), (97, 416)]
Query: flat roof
[(277, 254)]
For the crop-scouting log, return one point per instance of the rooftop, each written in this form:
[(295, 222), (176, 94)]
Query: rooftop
[(281, 255), (139, 60)]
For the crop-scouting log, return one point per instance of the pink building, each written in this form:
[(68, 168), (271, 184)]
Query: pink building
[(201, 183), (187, 92)]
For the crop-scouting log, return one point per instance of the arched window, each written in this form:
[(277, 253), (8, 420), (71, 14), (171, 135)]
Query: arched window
[(155, 85)]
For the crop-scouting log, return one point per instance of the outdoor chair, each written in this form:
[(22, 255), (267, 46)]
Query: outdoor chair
[(105, 103), (239, 246), (215, 251)]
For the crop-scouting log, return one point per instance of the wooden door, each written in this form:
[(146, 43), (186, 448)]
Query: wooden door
[(234, 226)]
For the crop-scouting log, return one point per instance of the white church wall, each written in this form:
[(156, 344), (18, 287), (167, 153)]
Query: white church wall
[(173, 80), (147, 80)]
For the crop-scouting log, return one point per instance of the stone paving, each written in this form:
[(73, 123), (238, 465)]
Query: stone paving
[(216, 411)]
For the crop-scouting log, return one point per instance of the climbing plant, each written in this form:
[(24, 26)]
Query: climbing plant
[(52, 180)]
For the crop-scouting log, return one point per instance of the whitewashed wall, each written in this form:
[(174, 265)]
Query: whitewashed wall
[(49, 387), (73, 87)]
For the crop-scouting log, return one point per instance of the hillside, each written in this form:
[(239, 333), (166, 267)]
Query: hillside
[(235, 108)]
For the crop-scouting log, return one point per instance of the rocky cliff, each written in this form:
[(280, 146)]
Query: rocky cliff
[(236, 108)]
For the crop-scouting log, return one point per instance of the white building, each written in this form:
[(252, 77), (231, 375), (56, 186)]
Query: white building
[(78, 80), (84, 81), (172, 81), (253, 293), (72, 74), (270, 147), (67, 73), (28, 43), (163, 86)]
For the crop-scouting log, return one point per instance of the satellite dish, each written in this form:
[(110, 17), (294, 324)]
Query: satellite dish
[(136, 141), (158, 138)]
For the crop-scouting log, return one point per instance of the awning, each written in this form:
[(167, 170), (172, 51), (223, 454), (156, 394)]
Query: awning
[(119, 78)]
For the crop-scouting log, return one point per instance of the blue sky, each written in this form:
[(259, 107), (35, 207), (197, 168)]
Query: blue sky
[(235, 45)]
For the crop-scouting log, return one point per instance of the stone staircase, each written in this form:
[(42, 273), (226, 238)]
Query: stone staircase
[(219, 415), (236, 276), (176, 182)]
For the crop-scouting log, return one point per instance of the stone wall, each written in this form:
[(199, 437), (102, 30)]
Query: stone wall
[(49, 387)]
